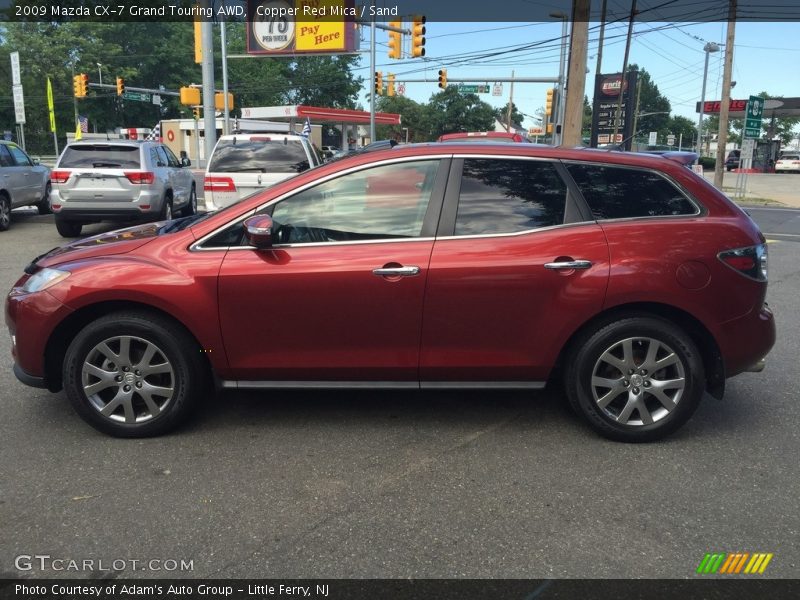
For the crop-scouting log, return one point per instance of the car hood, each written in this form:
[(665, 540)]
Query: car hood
[(104, 244)]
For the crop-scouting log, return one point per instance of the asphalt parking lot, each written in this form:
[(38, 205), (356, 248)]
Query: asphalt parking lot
[(404, 485)]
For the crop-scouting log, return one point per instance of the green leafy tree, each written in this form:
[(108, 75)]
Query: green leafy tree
[(451, 112), (414, 117), (681, 126), (501, 114), (653, 107)]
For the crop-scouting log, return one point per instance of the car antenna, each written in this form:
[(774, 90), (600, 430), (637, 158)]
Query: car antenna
[(621, 146)]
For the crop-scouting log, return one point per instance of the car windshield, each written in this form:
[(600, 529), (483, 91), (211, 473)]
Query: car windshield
[(276, 155), (100, 156)]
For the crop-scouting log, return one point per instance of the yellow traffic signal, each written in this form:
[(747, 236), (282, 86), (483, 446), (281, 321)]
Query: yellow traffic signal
[(390, 85), (190, 96), (418, 37), (219, 101), (79, 84), (442, 78), (378, 82), (395, 40), (120, 86), (548, 106)]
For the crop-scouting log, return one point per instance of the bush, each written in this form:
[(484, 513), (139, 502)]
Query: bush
[(708, 162)]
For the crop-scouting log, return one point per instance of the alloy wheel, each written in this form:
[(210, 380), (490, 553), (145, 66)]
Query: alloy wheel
[(638, 381), (128, 379)]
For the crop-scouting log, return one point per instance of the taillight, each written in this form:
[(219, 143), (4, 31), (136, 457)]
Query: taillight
[(219, 184), (750, 261), (59, 176), (140, 177)]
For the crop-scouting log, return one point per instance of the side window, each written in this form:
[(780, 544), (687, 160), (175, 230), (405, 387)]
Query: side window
[(162, 156), (171, 158), (155, 158), (508, 196), (381, 202), (619, 192), (5, 157), (20, 157)]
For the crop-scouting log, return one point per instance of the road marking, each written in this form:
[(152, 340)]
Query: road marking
[(797, 235)]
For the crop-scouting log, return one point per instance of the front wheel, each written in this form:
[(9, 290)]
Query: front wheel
[(637, 379), (43, 206), (133, 374)]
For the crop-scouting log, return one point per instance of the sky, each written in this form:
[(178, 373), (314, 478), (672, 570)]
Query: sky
[(766, 56)]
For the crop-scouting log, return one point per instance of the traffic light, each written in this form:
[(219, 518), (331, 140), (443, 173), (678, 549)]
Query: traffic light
[(378, 82), (190, 96), (79, 85), (196, 113), (548, 105), (442, 78), (395, 40), (219, 101), (418, 37), (390, 85), (120, 86)]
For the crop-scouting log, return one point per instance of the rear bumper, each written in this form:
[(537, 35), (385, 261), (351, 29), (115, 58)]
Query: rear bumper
[(93, 215), (746, 341)]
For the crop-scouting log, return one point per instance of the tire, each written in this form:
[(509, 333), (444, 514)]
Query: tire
[(166, 210), (623, 355), (68, 229), (123, 356), (44, 204), (191, 207), (5, 212)]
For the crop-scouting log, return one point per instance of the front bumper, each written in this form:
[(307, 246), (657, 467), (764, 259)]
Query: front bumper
[(28, 379)]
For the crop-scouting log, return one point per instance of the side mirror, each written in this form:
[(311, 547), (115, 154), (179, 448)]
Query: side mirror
[(258, 231), (35, 160), (185, 162)]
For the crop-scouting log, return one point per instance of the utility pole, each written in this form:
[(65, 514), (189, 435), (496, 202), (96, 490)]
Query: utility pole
[(636, 108), (223, 42), (510, 104), (722, 137), (571, 133), (618, 112), (209, 110), (372, 74), (602, 36)]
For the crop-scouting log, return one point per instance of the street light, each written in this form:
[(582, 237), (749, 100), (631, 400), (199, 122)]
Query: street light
[(558, 117), (709, 48), (100, 72)]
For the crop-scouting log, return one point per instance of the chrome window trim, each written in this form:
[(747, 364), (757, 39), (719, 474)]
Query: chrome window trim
[(515, 233), (197, 246), (700, 210)]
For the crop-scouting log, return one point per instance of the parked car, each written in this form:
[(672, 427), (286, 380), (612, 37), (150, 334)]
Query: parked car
[(23, 182), (732, 162), (120, 180), (628, 277), (242, 164), (788, 163), (329, 151), (483, 136)]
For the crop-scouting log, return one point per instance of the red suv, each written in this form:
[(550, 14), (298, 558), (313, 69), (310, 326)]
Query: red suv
[(431, 266)]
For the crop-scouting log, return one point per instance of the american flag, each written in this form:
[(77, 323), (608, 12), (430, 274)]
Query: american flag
[(84, 123), (306, 128), (155, 133)]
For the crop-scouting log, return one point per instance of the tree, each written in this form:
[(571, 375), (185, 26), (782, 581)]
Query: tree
[(681, 126), (501, 114), (451, 111), (414, 117), (653, 108)]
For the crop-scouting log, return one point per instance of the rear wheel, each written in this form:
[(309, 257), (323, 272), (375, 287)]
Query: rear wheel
[(191, 206), (166, 210), (5, 212), (68, 228), (44, 204), (635, 380), (133, 374)]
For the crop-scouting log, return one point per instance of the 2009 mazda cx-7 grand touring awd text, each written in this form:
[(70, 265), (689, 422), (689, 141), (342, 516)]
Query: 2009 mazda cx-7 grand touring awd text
[(427, 266)]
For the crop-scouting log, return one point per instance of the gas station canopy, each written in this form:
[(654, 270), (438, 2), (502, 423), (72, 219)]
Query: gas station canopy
[(773, 107), (300, 112)]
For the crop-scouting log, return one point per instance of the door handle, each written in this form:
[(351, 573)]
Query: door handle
[(569, 264), (396, 271)]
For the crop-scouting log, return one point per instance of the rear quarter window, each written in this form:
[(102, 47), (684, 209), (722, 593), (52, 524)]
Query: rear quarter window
[(277, 155), (101, 156), (621, 192)]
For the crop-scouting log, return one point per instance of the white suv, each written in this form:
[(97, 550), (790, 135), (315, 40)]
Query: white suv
[(242, 164)]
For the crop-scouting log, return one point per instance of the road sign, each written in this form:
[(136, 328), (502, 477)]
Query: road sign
[(401, 89), (473, 89), (137, 96), (497, 89), (652, 140), (670, 140), (157, 99), (748, 145), (536, 131), (752, 117), (15, 68), (19, 103)]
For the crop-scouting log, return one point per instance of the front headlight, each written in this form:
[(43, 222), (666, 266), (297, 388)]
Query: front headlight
[(41, 280)]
